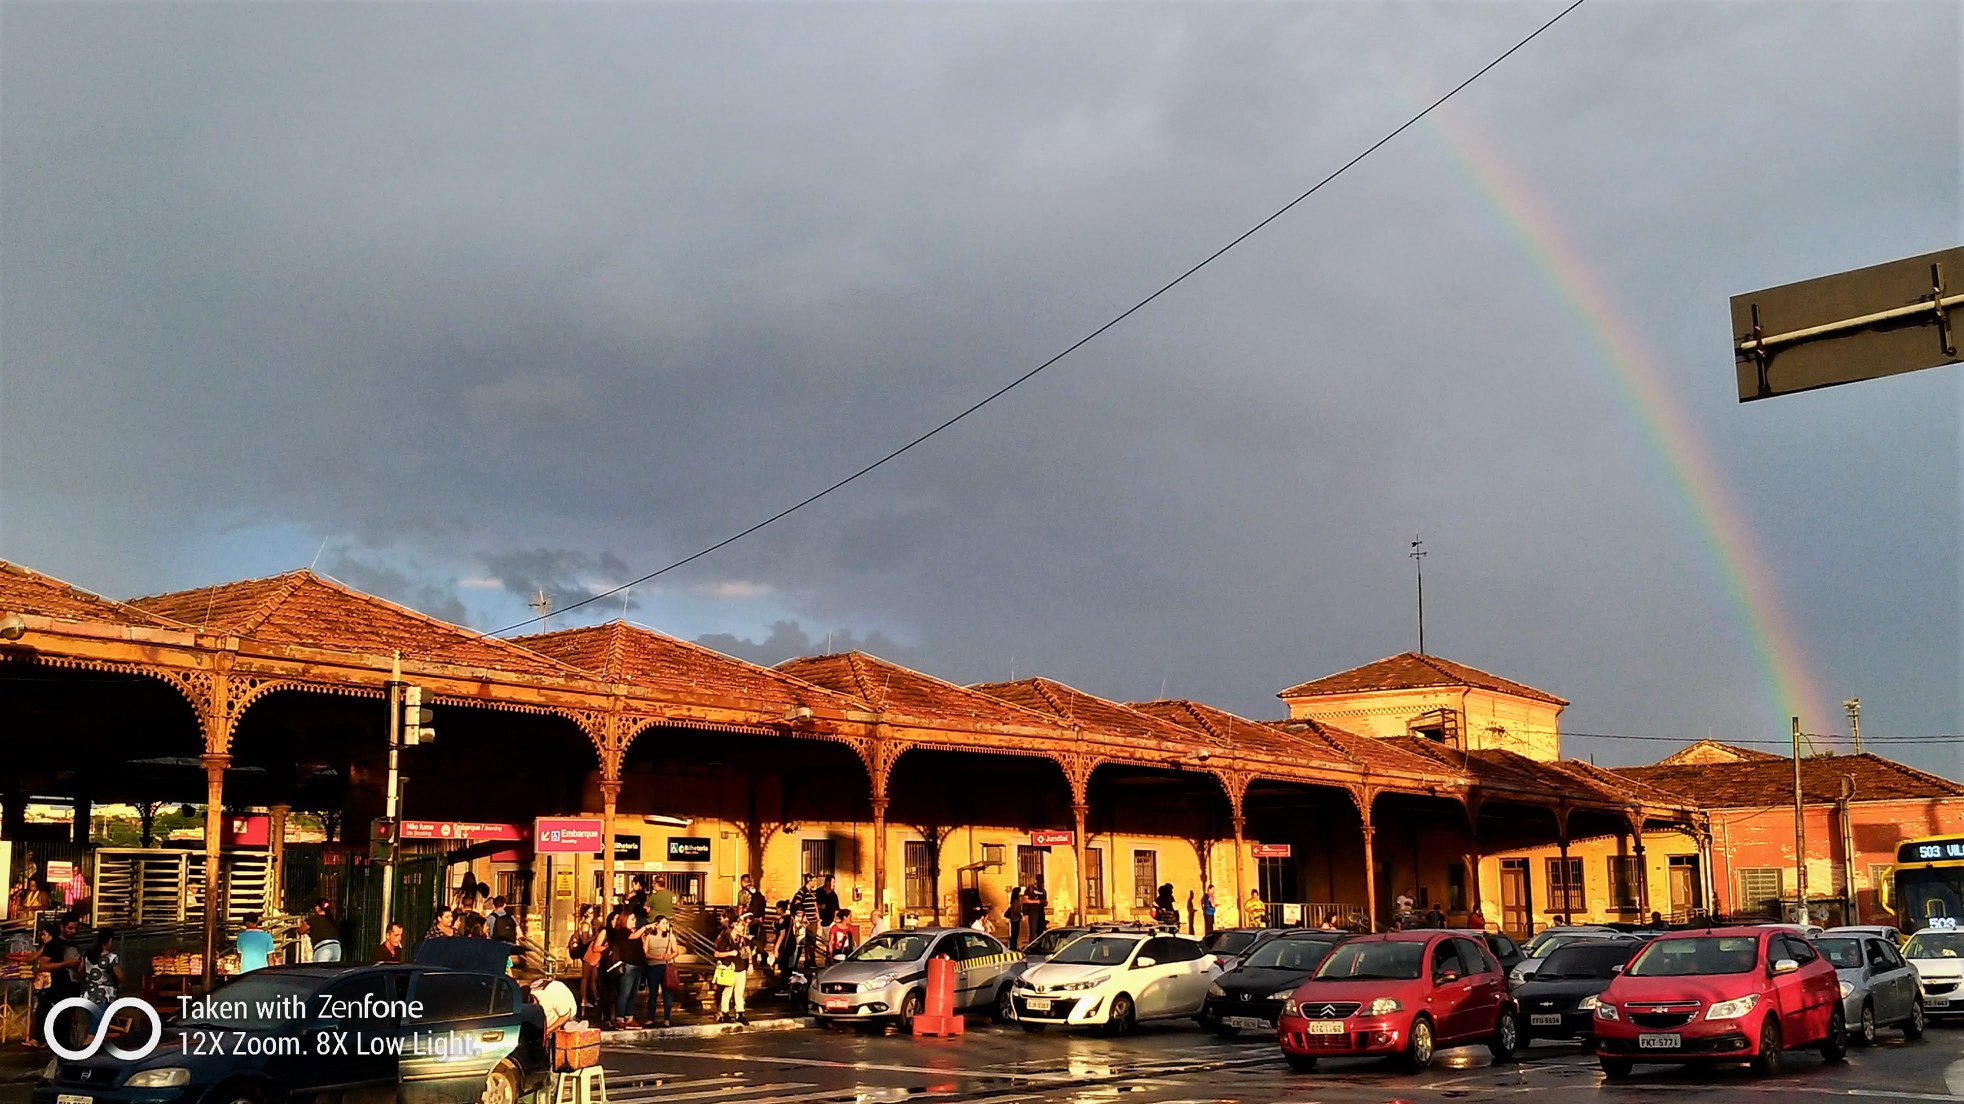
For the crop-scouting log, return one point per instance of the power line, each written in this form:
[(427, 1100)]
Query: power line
[(1074, 346)]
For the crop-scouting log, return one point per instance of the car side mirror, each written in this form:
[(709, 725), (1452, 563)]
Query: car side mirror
[(1144, 961), (1785, 966), (1616, 969)]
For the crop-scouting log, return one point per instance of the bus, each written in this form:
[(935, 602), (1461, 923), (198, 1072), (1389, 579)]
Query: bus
[(1927, 885)]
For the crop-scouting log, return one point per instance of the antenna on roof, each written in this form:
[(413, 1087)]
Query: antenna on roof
[(541, 604), (1418, 561), (317, 554)]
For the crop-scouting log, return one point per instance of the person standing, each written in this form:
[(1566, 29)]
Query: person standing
[(804, 906), (390, 949), (828, 901), (1162, 907), (102, 977), (1255, 913), (37, 1002), (1036, 907), (324, 931), (501, 923), (661, 948), (841, 937), (632, 962), (732, 970), (255, 945), (1013, 911), (1190, 911), (1207, 910), (61, 963)]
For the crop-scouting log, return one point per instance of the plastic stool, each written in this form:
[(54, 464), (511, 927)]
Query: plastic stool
[(577, 1086)]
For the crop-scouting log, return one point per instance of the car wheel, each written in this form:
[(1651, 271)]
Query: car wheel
[(1418, 1050), (1865, 1028), (1913, 1027), (1616, 1069), (1301, 1063), (1123, 1017), (910, 1006), (500, 1085), (1005, 1006), (1768, 1061), (1506, 1036), (1834, 1048)]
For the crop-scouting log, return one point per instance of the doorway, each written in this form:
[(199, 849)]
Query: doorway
[(1684, 886), (1516, 899)]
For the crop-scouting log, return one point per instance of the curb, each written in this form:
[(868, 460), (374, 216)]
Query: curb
[(702, 1031)]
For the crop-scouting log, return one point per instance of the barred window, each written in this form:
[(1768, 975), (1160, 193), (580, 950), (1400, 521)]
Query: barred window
[(1625, 879), (919, 862), (1565, 886), (1094, 877)]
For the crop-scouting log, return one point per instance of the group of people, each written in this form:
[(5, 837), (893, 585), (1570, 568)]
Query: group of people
[(1028, 905), (64, 969), (1405, 915), (621, 952)]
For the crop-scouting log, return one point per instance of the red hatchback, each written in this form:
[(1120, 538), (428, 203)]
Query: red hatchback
[(1725, 995), (1406, 994)]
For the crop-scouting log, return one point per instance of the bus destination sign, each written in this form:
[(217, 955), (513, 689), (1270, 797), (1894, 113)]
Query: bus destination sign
[(1950, 849)]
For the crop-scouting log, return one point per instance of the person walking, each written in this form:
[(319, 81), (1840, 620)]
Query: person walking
[(500, 922), (255, 945), (796, 935), (324, 931), (1207, 910), (828, 901), (102, 978), (661, 948), (1036, 907), (1013, 912), (732, 970)]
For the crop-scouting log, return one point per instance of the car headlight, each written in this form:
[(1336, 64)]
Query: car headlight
[(1382, 1006), (1588, 1003), (1846, 989), (165, 1078), (1215, 990), (1606, 1011), (1282, 994), (1515, 976), (1732, 1009), (1081, 986), (880, 982), (1291, 1008)]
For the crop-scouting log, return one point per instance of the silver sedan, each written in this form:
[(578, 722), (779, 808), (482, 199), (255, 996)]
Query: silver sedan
[(1878, 988), (885, 980)]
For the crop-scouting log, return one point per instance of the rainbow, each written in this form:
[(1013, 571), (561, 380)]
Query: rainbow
[(1636, 372)]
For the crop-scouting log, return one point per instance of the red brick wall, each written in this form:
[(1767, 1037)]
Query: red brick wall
[(1744, 839)]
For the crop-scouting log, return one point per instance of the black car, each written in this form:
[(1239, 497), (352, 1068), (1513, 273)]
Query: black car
[(395, 1034), (1230, 945), (1250, 996), (1559, 1000)]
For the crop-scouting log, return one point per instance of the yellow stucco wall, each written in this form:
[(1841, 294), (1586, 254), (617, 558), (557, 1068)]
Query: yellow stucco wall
[(1489, 719)]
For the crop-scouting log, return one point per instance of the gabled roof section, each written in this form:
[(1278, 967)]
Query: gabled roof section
[(1413, 671), (24, 590), (890, 687), (1511, 772), (1714, 751), (1094, 715), (303, 608), (1378, 755), (1760, 783), (619, 651), (1226, 730)]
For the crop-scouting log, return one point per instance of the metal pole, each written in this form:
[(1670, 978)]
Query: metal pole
[(1800, 830), (395, 781), (1854, 708), (1418, 561), (1934, 307)]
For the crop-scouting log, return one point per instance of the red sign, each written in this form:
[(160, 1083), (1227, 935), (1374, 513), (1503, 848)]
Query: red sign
[(459, 829), (246, 830), (1270, 850), (566, 835), (1052, 839)]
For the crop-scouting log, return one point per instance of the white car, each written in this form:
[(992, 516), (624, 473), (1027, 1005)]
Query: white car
[(1880, 931), (1115, 980), (1938, 956)]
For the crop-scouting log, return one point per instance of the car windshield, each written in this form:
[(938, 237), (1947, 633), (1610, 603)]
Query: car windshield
[(1846, 954), (1715, 954), (1550, 944), (1231, 942), (241, 1005), (1583, 962), (1300, 955), (1934, 945), (892, 947), (1391, 960), (1047, 943), (1096, 950)]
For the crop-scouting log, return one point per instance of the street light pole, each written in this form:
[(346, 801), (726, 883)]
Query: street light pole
[(1800, 830), (1854, 708), (395, 783)]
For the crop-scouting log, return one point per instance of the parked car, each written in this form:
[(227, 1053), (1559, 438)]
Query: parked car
[(885, 979), (1402, 993), (1937, 956), (1743, 994), (1878, 988), (1504, 950), (1558, 1001), (1893, 935), (1538, 952), (1115, 979), (1249, 997), (1808, 930), (1534, 942), (1230, 945), (290, 1032)]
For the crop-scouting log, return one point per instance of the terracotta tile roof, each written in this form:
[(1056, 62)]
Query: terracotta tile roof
[(1224, 729), (627, 653), (1095, 715), (890, 687), (23, 590), (1765, 783), (1714, 751), (1411, 671), (1510, 772), (303, 608), (1378, 755)]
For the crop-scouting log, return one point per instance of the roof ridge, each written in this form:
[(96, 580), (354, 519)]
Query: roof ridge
[(1909, 771), (781, 676), (854, 668), (117, 604), (1042, 687), (274, 600), (469, 635), (615, 666), (878, 661), (1195, 710)]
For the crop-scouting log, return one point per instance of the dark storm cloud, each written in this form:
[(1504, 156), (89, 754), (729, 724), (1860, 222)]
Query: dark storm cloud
[(511, 285), (788, 639), (430, 596)]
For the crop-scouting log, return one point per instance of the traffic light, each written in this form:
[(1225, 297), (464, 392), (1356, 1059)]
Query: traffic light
[(415, 718)]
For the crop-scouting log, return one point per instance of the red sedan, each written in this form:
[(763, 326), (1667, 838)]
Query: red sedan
[(1725, 995), (1406, 994)]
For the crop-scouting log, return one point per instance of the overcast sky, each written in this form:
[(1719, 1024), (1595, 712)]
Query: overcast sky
[(461, 302)]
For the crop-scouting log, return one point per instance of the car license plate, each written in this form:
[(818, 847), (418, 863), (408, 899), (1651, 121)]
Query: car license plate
[(1659, 1042), (71, 1098), (1545, 1019), (1037, 1004), (837, 1004), (1326, 1027), (1928, 1002), (1247, 1023)]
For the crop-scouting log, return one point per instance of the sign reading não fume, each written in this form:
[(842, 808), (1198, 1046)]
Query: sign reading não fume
[(694, 849)]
